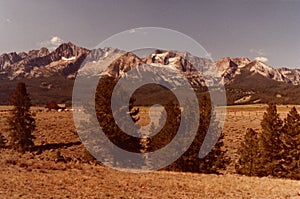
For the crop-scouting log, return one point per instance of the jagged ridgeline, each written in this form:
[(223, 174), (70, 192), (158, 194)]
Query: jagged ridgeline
[(49, 76)]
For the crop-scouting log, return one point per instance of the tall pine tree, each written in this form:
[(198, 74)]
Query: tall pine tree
[(278, 150), (249, 154), (291, 143), (216, 160), (21, 122), (270, 143)]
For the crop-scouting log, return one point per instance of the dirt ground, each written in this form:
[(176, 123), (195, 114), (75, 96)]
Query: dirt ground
[(39, 175)]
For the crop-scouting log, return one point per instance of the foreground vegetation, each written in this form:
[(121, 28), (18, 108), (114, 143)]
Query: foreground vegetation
[(67, 180), (51, 151), (41, 173)]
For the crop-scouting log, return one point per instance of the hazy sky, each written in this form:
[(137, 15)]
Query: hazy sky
[(255, 28)]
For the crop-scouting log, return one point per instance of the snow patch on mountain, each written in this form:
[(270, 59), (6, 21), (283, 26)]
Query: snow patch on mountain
[(243, 99), (231, 67), (69, 59), (267, 71)]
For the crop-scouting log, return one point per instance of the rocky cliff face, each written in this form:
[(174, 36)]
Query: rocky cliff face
[(172, 64), (232, 67), (244, 78), (65, 60)]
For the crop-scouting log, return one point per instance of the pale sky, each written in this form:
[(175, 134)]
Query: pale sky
[(269, 29)]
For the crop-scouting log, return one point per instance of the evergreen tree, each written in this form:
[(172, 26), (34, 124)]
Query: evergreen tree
[(21, 122), (107, 122), (215, 161), (167, 133), (278, 150), (249, 154), (270, 143), (291, 143)]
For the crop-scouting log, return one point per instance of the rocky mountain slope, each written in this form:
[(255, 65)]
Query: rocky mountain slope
[(256, 82), (65, 60), (50, 75), (231, 67)]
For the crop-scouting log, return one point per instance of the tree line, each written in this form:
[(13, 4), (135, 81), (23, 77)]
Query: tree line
[(275, 150)]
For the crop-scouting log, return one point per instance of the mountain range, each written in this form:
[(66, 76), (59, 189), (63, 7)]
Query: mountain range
[(50, 75)]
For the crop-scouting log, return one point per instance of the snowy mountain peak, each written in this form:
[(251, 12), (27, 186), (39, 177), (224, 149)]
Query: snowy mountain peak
[(67, 58), (265, 70), (64, 60)]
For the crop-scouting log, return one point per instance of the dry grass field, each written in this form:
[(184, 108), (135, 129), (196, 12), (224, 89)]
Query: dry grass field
[(39, 175)]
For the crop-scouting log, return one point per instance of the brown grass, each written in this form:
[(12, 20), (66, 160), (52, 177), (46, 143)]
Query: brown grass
[(37, 175)]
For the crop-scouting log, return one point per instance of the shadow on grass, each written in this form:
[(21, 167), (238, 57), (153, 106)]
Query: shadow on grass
[(53, 146)]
